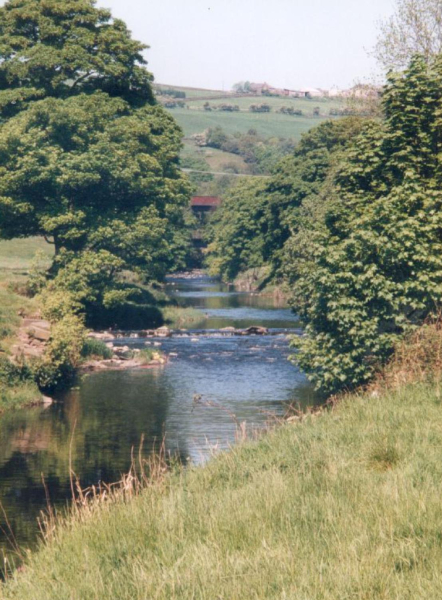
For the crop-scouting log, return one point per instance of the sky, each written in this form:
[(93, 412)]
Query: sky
[(287, 43)]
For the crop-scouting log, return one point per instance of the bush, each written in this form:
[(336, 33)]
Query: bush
[(290, 110), (96, 348), (12, 374), (63, 354), (227, 107), (260, 108)]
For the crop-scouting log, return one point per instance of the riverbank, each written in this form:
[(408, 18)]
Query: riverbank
[(345, 504), (14, 308)]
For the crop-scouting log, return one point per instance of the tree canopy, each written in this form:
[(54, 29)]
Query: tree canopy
[(87, 158), (371, 267), (256, 219), (60, 48), (414, 28)]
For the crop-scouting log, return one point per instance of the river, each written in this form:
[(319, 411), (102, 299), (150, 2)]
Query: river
[(99, 421)]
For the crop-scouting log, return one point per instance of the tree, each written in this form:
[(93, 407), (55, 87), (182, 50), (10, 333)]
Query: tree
[(415, 28), (60, 48), (369, 269), (256, 219), (89, 173), (236, 240), (87, 158)]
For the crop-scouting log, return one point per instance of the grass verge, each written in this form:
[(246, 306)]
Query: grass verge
[(343, 505)]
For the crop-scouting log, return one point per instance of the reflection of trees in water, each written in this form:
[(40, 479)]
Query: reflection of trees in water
[(101, 421)]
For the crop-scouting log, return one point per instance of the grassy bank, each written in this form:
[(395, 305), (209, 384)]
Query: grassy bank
[(343, 505)]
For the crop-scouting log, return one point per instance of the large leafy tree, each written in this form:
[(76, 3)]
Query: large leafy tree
[(89, 173), (60, 48), (236, 231), (87, 158), (371, 268)]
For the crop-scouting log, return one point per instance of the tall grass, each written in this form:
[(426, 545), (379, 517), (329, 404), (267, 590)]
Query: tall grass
[(344, 505)]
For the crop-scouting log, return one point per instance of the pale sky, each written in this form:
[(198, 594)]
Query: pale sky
[(287, 43)]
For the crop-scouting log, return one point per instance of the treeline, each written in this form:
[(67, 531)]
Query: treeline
[(352, 222)]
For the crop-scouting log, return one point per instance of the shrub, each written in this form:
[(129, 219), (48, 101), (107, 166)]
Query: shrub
[(63, 354), (290, 110), (260, 108), (13, 374), (95, 348)]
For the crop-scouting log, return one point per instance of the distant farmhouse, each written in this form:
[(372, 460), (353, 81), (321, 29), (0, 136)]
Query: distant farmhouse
[(357, 91)]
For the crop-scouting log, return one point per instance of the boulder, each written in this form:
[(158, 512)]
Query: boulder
[(255, 330), (39, 333), (163, 332)]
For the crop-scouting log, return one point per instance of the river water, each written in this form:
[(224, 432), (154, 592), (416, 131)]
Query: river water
[(98, 422)]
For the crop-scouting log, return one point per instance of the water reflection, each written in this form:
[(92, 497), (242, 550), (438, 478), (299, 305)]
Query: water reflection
[(100, 421)]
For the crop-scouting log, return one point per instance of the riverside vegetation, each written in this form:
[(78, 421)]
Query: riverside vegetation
[(342, 503), (351, 223), (89, 162)]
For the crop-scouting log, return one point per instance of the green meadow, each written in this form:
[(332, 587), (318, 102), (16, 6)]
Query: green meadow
[(266, 124)]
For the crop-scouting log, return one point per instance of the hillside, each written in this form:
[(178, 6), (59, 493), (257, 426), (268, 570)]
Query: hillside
[(194, 119)]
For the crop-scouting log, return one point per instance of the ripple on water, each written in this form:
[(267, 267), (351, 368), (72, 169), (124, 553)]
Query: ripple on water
[(102, 420)]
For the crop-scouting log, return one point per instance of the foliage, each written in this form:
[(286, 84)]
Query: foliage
[(62, 354), (260, 108), (100, 180), (261, 154), (256, 220), (95, 348), (242, 87), (60, 48), (11, 374), (291, 110), (87, 159), (236, 231), (370, 268), (226, 107), (415, 28), (175, 104), (172, 93)]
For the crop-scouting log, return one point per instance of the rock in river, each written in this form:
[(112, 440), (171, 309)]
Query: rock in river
[(255, 330)]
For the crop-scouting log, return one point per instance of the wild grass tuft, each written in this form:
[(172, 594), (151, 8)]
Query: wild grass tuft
[(93, 348)]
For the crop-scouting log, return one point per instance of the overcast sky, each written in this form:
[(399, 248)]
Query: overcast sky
[(288, 43)]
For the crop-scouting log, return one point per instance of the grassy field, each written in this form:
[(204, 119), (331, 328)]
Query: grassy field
[(266, 124), (194, 119), (343, 506), (305, 104), (19, 254)]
